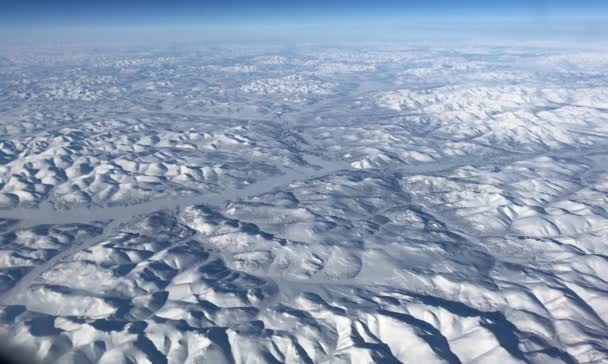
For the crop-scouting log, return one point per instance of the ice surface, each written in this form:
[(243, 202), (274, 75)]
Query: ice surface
[(332, 205)]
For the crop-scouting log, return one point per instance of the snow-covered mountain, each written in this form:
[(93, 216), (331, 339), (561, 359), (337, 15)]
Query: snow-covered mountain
[(331, 205)]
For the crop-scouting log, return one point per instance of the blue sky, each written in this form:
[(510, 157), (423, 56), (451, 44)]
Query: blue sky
[(312, 20), (193, 11)]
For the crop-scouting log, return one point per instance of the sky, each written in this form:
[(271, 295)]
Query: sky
[(172, 11), (272, 17)]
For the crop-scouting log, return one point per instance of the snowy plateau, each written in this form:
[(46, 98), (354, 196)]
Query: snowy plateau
[(379, 204)]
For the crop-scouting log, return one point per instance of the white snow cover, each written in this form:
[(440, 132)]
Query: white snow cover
[(377, 204), (289, 86)]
